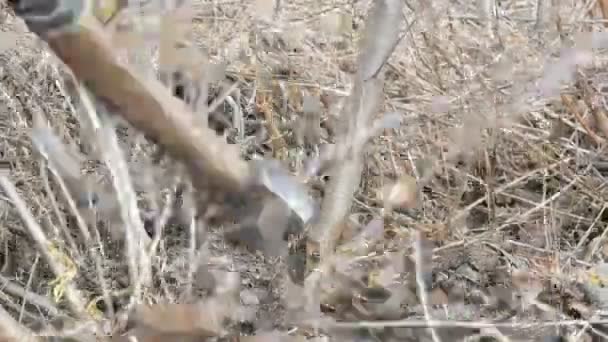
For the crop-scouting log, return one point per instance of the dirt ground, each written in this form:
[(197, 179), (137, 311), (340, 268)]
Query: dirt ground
[(498, 163)]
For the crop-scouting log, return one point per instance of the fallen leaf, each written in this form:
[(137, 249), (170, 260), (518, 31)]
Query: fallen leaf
[(402, 193), (201, 319)]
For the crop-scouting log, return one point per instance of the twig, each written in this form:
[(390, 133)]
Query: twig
[(135, 234), (75, 300), (542, 204), (597, 245), (54, 205), (589, 231), (603, 4), (86, 48), (424, 324), (159, 223), (381, 37), (27, 286), (11, 331), (191, 257), (598, 113), (148, 106), (504, 187), (62, 166), (17, 290), (75, 189), (568, 102), (422, 293), (10, 303)]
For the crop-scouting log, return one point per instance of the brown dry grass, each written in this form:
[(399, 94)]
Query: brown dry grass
[(502, 128)]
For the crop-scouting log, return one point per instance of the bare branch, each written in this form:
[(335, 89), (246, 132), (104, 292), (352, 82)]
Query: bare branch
[(11, 331), (381, 37), (83, 45), (75, 299)]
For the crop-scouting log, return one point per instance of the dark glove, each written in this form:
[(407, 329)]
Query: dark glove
[(42, 16)]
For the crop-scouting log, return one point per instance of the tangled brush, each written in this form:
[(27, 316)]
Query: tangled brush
[(429, 198)]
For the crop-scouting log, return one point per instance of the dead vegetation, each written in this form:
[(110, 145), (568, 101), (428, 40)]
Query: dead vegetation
[(298, 170)]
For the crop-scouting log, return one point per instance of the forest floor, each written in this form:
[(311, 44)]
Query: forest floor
[(502, 139)]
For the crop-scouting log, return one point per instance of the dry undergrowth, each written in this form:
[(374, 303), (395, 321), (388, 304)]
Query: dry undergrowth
[(478, 206)]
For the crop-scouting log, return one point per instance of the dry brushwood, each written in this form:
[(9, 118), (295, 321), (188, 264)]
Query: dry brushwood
[(464, 222), (227, 188), (11, 331)]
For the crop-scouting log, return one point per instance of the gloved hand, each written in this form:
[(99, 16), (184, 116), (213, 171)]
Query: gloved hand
[(42, 16)]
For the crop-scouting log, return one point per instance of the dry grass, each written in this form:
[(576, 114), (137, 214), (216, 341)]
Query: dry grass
[(503, 128)]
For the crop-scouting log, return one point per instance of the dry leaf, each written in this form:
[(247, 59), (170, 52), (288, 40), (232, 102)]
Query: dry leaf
[(401, 194), (601, 121), (527, 283), (365, 240), (201, 319), (392, 307), (438, 297)]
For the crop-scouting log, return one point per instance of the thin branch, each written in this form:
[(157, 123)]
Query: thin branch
[(135, 234), (17, 290), (148, 105), (82, 43), (603, 4), (543, 203), (420, 283), (74, 298), (11, 331), (27, 286), (569, 103), (381, 37), (425, 324)]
